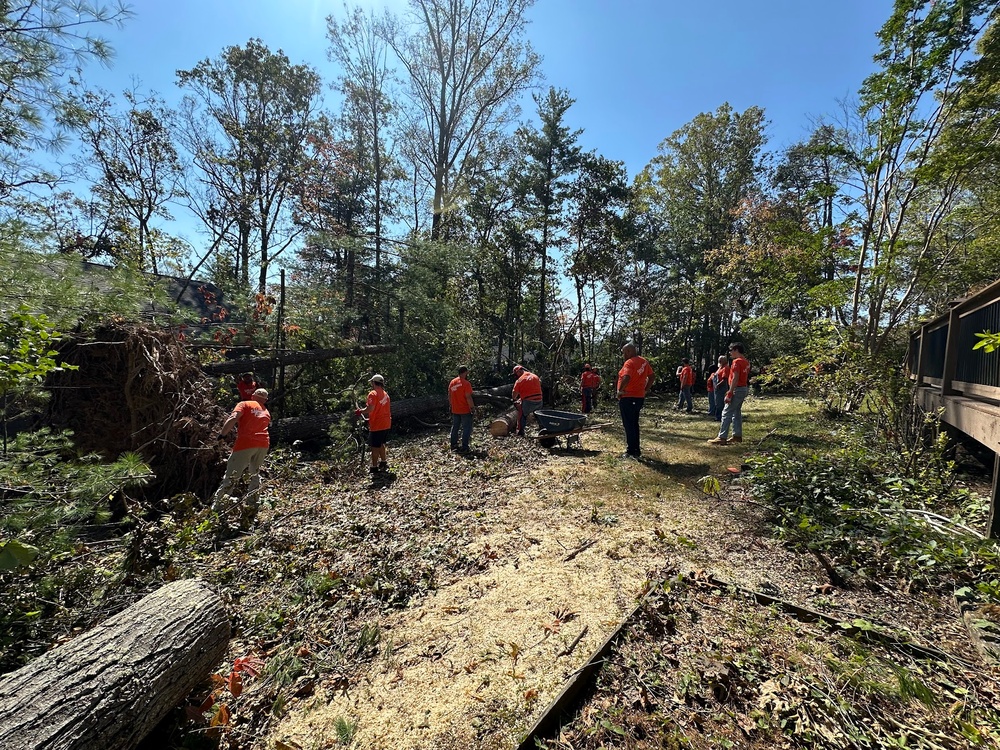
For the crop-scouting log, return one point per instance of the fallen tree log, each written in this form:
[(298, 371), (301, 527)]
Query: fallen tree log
[(296, 358), (504, 424), (106, 689), (317, 425)]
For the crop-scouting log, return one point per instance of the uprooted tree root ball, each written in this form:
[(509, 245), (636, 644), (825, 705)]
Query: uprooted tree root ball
[(137, 390)]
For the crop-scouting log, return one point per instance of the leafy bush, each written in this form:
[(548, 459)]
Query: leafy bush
[(879, 506), (54, 504)]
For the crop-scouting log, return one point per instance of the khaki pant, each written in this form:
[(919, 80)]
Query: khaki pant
[(249, 459)]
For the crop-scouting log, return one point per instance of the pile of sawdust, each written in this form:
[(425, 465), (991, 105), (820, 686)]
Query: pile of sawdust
[(476, 662)]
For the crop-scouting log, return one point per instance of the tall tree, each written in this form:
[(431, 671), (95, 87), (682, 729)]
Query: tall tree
[(466, 63), (600, 197), (692, 191), (551, 159), (139, 171), (40, 42), (368, 107), (904, 108), (246, 123)]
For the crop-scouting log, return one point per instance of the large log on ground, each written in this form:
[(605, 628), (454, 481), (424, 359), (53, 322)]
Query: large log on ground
[(106, 689), (504, 424), (296, 358)]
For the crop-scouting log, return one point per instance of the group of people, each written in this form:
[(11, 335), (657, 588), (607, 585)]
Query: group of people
[(728, 386)]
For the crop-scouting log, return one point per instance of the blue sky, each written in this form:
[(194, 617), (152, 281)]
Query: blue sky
[(639, 69)]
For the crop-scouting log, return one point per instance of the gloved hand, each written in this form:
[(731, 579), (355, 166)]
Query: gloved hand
[(357, 413)]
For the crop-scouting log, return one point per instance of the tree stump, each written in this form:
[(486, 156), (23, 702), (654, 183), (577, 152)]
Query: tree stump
[(106, 689)]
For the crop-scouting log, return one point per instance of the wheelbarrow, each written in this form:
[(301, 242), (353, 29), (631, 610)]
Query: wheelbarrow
[(554, 424)]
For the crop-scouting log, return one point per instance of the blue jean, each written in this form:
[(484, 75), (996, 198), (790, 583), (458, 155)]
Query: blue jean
[(588, 400), (463, 421), (526, 408), (720, 401), (630, 408), (711, 403), (685, 396), (733, 413)]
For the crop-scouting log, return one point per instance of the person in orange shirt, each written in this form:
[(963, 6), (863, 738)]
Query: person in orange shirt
[(710, 388), (721, 382), (462, 408), (739, 386), (588, 386), (251, 420), (686, 377), (527, 394), (246, 385), (634, 381), (378, 409)]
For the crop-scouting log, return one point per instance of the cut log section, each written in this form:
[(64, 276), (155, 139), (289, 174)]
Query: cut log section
[(504, 424), (106, 689)]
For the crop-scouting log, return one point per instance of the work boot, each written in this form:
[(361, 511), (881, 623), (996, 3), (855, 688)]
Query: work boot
[(718, 441), (736, 439)]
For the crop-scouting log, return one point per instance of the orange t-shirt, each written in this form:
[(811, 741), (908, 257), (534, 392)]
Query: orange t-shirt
[(251, 429), (458, 389), (639, 371), (528, 387), (722, 376), (739, 372), (246, 389), (379, 410), (687, 376), (589, 379)]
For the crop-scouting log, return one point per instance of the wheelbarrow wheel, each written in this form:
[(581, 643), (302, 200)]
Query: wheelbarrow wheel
[(547, 442)]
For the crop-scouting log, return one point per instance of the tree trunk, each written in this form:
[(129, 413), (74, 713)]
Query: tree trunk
[(106, 689), (505, 424), (296, 358)]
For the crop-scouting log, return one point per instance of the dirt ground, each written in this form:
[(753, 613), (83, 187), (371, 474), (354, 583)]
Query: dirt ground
[(568, 544)]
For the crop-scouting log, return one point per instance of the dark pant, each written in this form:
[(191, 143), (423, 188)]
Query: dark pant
[(685, 397), (461, 422), (630, 408), (588, 400)]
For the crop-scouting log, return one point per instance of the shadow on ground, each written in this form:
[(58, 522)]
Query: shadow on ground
[(676, 470)]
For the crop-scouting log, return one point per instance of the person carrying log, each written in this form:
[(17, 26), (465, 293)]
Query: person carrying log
[(527, 393), (462, 409), (251, 420), (378, 409)]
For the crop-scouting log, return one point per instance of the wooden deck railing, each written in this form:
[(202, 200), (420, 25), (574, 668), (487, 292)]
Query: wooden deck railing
[(963, 382)]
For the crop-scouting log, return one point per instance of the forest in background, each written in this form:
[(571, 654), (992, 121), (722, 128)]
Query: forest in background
[(425, 210), (424, 213)]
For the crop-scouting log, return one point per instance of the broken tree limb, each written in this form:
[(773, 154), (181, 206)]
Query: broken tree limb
[(576, 641), (586, 545), (106, 689), (296, 358)]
